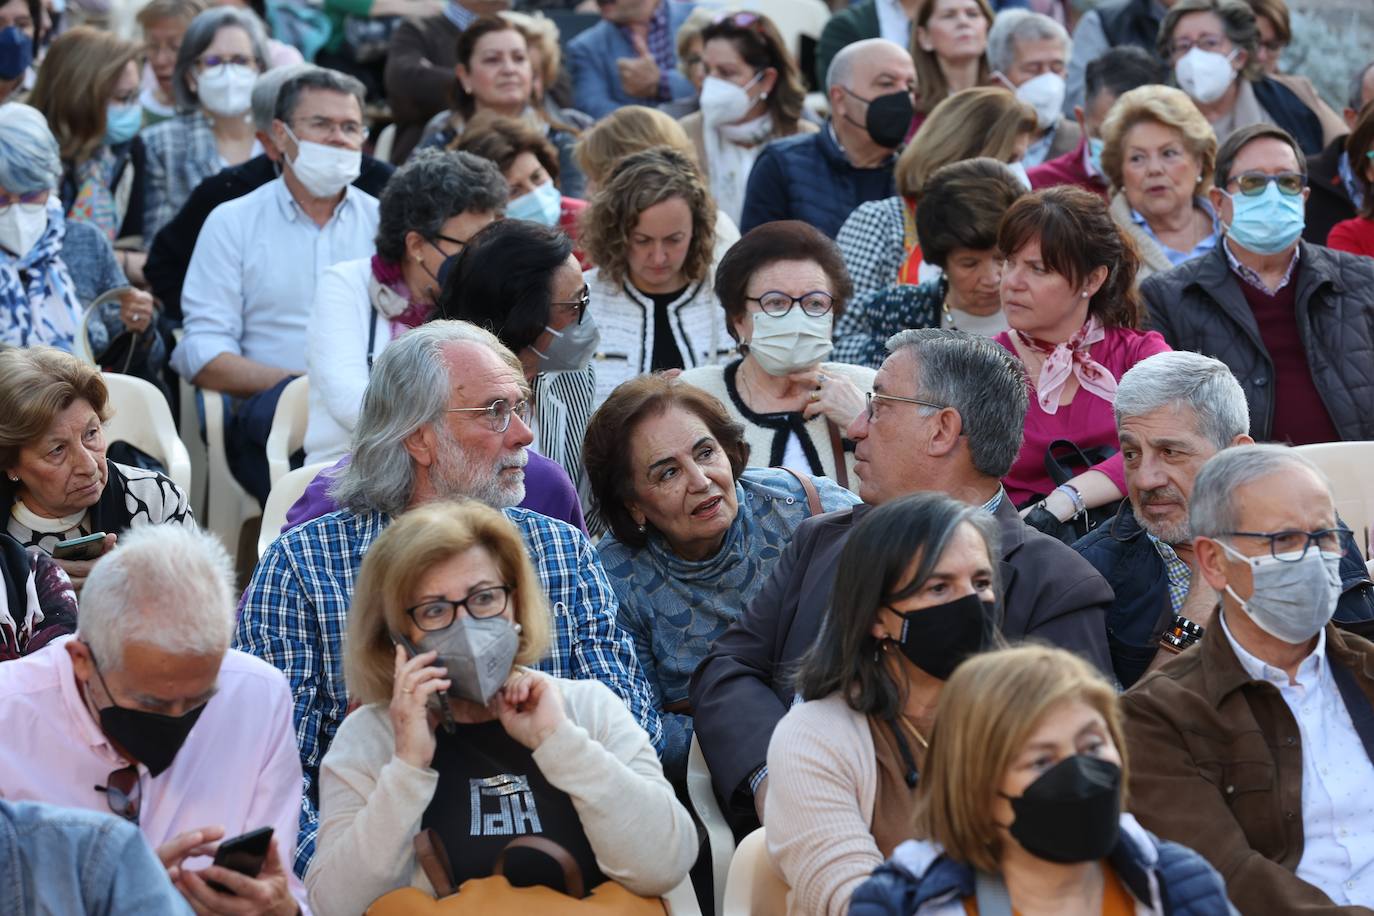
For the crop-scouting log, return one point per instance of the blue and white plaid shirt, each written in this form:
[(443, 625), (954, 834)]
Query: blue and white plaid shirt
[(1179, 573), (295, 610)]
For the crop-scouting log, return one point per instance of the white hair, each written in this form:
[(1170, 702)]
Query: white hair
[(167, 586), (1013, 26), (1212, 509)]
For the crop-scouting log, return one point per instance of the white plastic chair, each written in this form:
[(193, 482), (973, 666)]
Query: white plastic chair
[(284, 494), (81, 346), (288, 428), (386, 141), (142, 418), (1347, 465), (720, 838), (754, 887), (682, 900), (227, 504), (194, 441), (794, 18)]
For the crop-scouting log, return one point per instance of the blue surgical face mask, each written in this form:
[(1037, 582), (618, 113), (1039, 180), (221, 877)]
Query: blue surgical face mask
[(16, 53), (1266, 223), (543, 205), (122, 122), (1095, 145)]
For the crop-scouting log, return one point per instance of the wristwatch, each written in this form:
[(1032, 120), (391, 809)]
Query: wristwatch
[(1181, 634)]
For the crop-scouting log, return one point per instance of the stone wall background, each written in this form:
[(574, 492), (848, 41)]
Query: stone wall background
[(1331, 40)]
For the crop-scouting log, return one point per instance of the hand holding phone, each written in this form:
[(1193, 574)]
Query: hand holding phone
[(244, 854), (418, 685), (89, 547)]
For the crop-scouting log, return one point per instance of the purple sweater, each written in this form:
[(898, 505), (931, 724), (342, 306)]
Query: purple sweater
[(548, 491)]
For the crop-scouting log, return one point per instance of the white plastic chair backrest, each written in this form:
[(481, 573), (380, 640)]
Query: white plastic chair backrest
[(288, 427), (283, 496), (794, 18), (682, 900), (1348, 466), (720, 838), (754, 887), (386, 141), (140, 416)]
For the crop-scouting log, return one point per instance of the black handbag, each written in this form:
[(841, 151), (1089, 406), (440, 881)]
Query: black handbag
[(1064, 461)]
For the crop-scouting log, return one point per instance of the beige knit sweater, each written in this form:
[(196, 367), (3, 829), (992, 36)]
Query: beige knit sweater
[(371, 803), (818, 813)]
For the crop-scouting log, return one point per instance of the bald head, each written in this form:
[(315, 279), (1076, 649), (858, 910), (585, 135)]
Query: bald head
[(858, 65)]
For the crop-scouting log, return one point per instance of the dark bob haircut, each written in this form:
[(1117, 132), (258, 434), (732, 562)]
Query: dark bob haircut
[(962, 205), (1077, 235), (503, 280), (783, 240), (873, 573), (606, 446)]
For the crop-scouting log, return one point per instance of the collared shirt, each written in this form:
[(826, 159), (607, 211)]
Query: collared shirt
[(459, 15), (1039, 149), (893, 22), (661, 47), (992, 505), (1204, 245), (1180, 574), (238, 769), (295, 610), (251, 280), (1254, 279), (1337, 776), (1352, 187)]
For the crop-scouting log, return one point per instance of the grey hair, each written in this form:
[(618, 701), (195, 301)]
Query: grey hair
[(1355, 95), (319, 78), (981, 380), (1212, 512), (431, 188), (1237, 21), (200, 34), (266, 89), (841, 70), (29, 158), (169, 586), (1185, 379), (1013, 26), (409, 387)]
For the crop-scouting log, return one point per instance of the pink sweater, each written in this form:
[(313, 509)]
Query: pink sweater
[(1087, 420)]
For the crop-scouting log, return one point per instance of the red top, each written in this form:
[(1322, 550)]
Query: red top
[(1087, 420), (1300, 417), (1067, 169), (569, 214), (1355, 236)]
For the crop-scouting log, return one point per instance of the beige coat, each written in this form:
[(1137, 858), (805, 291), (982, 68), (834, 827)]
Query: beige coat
[(1153, 260)]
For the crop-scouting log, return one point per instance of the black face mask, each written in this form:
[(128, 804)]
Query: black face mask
[(936, 639), (151, 738), (888, 119), (1072, 813)]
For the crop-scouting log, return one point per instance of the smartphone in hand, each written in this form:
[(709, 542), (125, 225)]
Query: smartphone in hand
[(89, 547), (244, 854)]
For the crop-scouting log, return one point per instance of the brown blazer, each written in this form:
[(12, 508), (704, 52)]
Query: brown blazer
[(1216, 764)]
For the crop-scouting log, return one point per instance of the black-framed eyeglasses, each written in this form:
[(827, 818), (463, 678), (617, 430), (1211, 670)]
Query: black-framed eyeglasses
[(440, 237), (1292, 546), (123, 792), (871, 396), (777, 304), (1252, 184), (440, 613), (499, 412), (578, 305)]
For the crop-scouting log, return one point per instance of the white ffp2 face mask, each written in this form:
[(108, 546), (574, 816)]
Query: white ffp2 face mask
[(21, 226), (1044, 93), (227, 90), (723, 102), (1205, 75), (783, 344), (324, 170)]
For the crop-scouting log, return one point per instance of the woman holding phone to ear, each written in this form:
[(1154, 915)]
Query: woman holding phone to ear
[(559, 758)]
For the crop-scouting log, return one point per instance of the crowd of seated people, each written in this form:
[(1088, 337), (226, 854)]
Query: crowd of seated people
[(910, 439)]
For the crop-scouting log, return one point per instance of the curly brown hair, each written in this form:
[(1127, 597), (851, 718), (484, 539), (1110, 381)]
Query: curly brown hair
[(639, 182)]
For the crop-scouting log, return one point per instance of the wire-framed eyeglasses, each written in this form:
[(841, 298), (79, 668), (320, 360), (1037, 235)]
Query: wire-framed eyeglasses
[(499, 412), (871, 407)]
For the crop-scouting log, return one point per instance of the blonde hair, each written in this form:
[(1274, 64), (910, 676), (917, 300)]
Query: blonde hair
[(623, 132), (415, 543), (1168, 107), (158, 10), (989, 708), (74, 87), (36, 384), (931, 85), (983, 121)]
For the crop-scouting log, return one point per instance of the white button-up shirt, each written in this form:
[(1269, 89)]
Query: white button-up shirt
[(1337, 777), (893, 22), (252, 277)]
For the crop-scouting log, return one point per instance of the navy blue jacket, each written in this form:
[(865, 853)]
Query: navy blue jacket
[(1187, 885), (1126, 558), (807, 177), (1291, 113)]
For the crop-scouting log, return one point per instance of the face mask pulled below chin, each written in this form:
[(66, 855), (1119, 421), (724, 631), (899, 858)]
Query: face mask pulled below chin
[(1071, 813), (1291, 601), (1044, 93), (227, 90), (1267, 223), (936, 639), (783, 344), (324, 170), (153, 739), (478, 654), (889, 118), (543, 205), (1204, 75), (572, 348), (21, 226)]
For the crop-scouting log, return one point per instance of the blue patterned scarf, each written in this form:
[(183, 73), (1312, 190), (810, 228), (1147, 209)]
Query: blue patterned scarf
[(42, 308)]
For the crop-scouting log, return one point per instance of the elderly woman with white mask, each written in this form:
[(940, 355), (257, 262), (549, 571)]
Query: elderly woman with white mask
[(782, 287)]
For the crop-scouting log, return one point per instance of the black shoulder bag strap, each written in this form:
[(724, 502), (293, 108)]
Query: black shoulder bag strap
[(1356, 703)]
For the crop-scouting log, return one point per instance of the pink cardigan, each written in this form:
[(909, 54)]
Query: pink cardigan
[(1087, 420)]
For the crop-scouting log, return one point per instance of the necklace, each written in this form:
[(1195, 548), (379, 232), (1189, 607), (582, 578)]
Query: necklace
[(907, 724), (949, 317)]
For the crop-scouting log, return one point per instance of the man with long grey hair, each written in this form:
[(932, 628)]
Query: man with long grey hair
[(1256, 748), (147, 713), (1174, 411), (443, 417)]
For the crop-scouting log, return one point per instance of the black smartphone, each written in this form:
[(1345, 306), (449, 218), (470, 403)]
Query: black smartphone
[(89, 547), (244, 854), (437, 702)]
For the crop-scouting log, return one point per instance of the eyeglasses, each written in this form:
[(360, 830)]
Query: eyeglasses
[(123, 792), (871, 408), (481, 604), (1252, 184), (777, 304), (1211, 43), (352, 131), (216, 61), (499, 412), (1292, 546), (32, 197), (1274, 47), (578, 305)]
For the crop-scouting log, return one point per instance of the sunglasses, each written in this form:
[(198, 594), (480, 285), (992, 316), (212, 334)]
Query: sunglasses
[(1253, 184), (123, 792)]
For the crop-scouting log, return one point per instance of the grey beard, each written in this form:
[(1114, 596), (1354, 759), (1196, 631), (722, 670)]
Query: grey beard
[(454, 476)]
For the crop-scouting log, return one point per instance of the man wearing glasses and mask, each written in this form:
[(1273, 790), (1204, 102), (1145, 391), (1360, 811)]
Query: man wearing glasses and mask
[(1255, 747), (147, 713), (444, 417), (1294, 322)]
